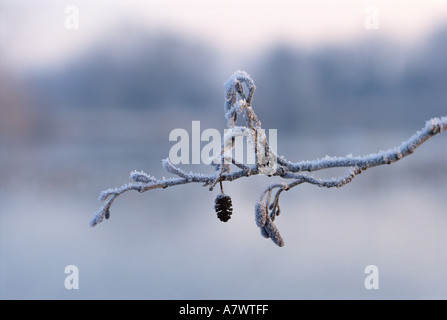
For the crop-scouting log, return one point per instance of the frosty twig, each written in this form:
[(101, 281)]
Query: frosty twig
[(267, 207)]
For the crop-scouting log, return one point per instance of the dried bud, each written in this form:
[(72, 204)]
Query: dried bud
[(107, 214), (223, 207)]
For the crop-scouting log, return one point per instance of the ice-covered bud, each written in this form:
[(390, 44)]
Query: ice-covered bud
[(260, 214), (273, 233)]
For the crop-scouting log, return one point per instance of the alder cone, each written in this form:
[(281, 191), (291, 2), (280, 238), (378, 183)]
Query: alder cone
[(223, 207)]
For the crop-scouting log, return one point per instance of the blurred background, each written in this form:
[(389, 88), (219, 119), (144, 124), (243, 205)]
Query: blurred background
[(90, 90)]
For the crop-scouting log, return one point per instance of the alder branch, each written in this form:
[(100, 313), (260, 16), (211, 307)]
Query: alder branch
[(267, 207)]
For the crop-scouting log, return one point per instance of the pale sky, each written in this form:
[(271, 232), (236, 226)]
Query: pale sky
[(34, 32)]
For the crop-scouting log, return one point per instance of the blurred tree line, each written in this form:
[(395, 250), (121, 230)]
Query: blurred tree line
[(366, 84)]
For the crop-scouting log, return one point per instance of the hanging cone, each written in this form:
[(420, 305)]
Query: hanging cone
[(223, 207)]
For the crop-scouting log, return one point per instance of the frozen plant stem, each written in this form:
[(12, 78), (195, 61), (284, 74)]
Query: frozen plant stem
[(267, 208)]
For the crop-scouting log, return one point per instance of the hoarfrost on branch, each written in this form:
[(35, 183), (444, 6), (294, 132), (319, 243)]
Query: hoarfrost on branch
[(238, 101)]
